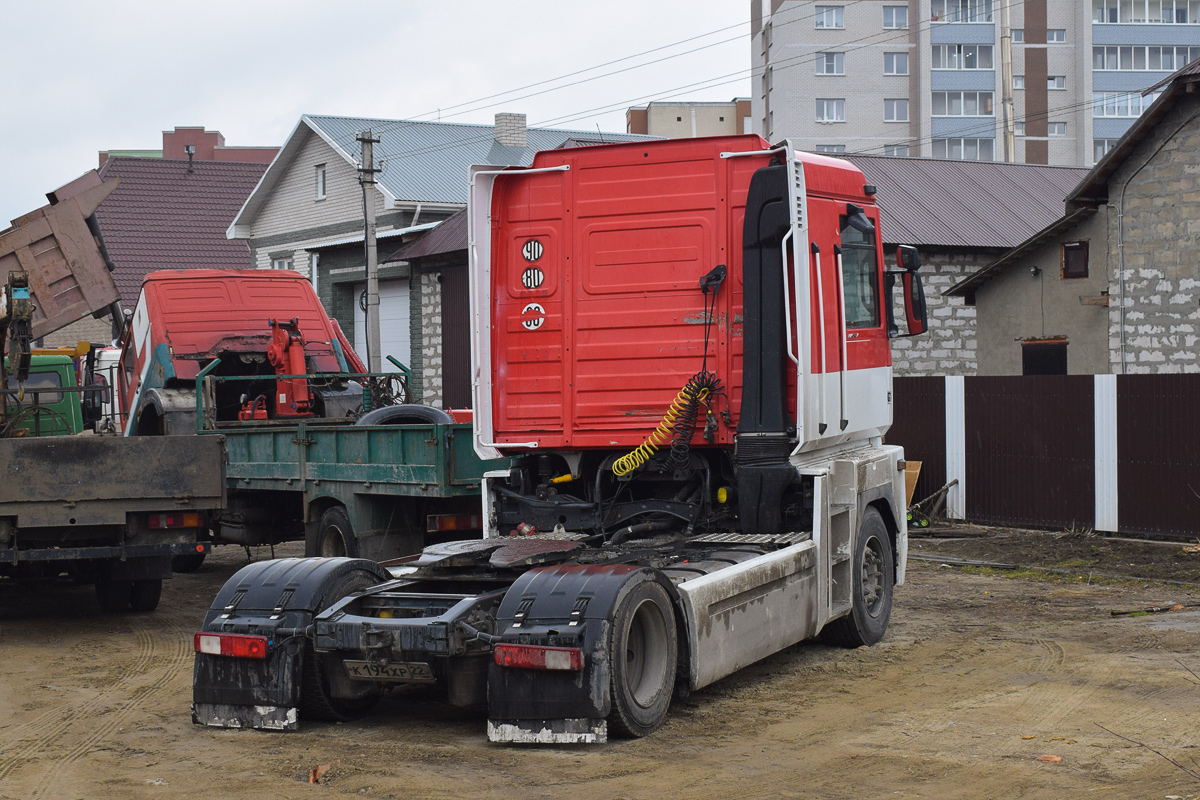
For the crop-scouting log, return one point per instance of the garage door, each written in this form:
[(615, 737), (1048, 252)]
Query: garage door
[(393, 322)]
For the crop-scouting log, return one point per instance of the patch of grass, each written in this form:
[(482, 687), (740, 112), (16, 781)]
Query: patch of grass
[(1035, 574)]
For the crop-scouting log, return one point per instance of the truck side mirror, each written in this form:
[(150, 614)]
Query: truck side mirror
[(914, 303), (908, 258)]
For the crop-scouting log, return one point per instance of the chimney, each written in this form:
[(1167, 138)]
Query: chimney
[(510, 130)]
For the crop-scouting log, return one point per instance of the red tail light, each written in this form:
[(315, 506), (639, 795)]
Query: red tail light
[(453, 522), (528, 656), (231, 644), (184, 519)]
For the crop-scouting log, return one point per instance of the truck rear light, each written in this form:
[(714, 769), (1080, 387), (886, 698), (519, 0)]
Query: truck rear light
[(231, 644), (453, 522), (528, 656), (183, 519)]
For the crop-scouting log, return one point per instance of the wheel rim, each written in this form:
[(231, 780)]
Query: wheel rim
[(333, 543), (872, 576), (646, 655)]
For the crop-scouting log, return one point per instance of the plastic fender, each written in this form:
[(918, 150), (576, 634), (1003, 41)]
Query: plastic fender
[(276, 599), (547, 599)]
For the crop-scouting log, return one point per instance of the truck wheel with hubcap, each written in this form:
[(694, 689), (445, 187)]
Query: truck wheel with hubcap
[(316, 695), (873, 579), (643, 650), (335, 536)]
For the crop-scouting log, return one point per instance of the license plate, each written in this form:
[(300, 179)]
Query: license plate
[(414, 672)]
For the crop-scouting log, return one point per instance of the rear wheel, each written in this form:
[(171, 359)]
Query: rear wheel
[(871, 605), (144, 595), (642, 651), (316, 689), (335, 535), (113, 596)]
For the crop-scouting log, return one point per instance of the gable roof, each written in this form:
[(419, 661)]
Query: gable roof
[(424, 162), (449, 237), (163, 217), (945, 203)]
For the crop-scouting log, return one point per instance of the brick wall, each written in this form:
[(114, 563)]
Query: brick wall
[(428, 332)]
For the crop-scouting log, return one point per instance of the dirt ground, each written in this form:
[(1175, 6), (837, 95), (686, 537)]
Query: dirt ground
[(982, 672)]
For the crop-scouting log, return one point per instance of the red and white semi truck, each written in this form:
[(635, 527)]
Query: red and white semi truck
[(682, 346)]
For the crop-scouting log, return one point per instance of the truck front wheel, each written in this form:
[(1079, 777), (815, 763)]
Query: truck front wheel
[(871, 605), (642, 653)]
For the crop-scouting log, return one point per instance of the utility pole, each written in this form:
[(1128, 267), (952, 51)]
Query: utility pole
[(1006, 85), (367, 179)]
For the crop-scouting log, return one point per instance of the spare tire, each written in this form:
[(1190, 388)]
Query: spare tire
[(406, 414)]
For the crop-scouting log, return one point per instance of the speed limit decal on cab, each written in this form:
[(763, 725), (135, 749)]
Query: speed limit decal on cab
[(532, 250), (532, 316), (532, 278)]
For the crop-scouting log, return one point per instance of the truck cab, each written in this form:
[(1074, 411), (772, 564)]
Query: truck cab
[(38, 406)]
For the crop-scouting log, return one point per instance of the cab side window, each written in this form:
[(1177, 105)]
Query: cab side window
[(859, 274)]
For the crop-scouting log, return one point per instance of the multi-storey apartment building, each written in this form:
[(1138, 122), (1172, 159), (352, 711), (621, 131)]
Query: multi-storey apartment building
[(931, 77)]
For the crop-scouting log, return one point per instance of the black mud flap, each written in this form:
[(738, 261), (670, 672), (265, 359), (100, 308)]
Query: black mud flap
[(563, 606), (278, 600)]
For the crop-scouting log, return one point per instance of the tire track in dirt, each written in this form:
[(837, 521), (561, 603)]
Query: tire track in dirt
[(53, 730)]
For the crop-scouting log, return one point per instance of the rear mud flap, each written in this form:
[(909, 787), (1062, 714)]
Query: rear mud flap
[(249, 693), (548, 731), (263, 718)]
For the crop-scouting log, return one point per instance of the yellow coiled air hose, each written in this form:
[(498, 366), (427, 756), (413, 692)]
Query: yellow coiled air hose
[(684, 403)]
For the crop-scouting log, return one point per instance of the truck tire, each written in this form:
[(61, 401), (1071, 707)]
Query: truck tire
[(335, 536), (113, 596), (187, 563), (643, 649), (406, 414), (873, 577), (316, 700), (145, 594)]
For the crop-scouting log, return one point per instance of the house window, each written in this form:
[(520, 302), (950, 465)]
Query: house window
[(962, 56), (1018, 81), (895, 63), (1056, 82), (965, 149), (1056, 129), (1044, 357), (831, 148), (829, 17), (895, 16), (831, 63), (1018, 35), (895, 110), (962, 104), (320, 181), (281, 262), (1074, 260), (962, 10), (1019, 129), (896, 150), (1100, 147), (1056, 35), (830, 109)]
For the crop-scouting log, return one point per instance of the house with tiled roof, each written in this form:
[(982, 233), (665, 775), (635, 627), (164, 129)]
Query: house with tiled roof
[(307, 211)]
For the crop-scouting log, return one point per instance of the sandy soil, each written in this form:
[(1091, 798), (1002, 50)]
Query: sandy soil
[(979, 675)]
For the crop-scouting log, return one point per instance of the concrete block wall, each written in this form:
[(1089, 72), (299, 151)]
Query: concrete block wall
[(1159, 297), (949, 346), (428, 331)]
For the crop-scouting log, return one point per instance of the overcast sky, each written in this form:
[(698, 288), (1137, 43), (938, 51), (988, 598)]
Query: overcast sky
[(84, 77)]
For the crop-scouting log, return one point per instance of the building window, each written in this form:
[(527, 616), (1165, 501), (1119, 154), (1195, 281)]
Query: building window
[(962, 104), (1141, 12), (896, 150), (1018, 35), (1019, 129), (281, 262), (962, 10), (831, 148), (1018, 81), (1100, 147), (1075, 260), (895, 16), (964, 149), (895, 63), (962, 56), (320, 181), (1152, 59), (895, 110), (1056, 129), (1121, 104), (831, 109), (831, 63), (1056, 35), (1056, 82), (1044, 357), (829, 17)]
